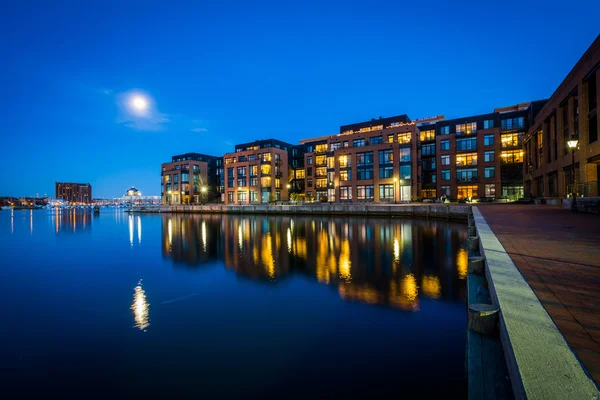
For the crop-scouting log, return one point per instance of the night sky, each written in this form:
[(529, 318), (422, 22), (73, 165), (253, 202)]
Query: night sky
[(220, 73)]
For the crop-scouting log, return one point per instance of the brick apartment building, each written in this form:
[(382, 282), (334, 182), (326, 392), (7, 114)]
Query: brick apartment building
[(73, 192), (570, 113), (366, 161), (183, 179), (257, 172)]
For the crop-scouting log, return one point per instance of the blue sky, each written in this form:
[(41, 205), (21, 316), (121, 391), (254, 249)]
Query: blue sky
[(220, 73)]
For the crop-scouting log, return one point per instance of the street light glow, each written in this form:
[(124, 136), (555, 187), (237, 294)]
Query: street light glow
[(203, 189)]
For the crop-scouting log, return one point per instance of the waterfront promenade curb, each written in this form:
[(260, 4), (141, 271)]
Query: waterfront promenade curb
[(457, 212), (539, 360)]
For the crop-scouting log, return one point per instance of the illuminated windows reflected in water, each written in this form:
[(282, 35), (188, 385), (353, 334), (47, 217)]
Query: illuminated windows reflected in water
[(376, 261)]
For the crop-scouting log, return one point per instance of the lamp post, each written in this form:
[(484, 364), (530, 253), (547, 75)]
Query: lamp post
[(572, 143), (530, 168), (395, 180)]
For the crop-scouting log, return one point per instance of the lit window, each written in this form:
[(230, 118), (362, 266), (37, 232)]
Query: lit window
[(404, 137), (427, 135), (490, 190), (511, 156), (466, 159), (467, 191), (446, 160)]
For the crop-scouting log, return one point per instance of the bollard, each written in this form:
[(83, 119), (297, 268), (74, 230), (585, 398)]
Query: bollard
[(483, 318), (477, 265), (474, 243)]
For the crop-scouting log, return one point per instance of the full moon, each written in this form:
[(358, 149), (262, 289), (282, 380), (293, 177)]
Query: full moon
[(139, 103)]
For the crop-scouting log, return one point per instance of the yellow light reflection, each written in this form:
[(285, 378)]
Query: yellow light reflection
[(410, 288), (396, 250), (345, 263), (322, 269), (289, 240), (140, 308), (462, 263), (267, 255), (431, 286), (240, 238)]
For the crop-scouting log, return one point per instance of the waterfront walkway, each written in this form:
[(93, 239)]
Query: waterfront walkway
[(558, 253)]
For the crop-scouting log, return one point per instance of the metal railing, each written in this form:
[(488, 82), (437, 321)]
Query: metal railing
[(584, 189)]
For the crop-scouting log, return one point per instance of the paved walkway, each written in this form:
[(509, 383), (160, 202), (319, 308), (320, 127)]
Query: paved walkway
[(558, 253)]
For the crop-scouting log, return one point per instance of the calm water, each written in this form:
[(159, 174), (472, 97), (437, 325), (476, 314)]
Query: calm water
[(183, 306)]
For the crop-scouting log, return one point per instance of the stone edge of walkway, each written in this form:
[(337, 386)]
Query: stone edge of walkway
[(540, 362)]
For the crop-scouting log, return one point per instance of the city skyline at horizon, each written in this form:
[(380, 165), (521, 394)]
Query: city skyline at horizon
[(214, 80)]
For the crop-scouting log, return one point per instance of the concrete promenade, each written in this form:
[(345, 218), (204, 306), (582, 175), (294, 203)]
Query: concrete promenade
[(558, 253), (440, 211)]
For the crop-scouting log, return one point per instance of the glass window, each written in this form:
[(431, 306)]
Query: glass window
[(345, 161), (467, 191), (386, 172), (345, 193), (512, 123), (427, 135), (321, 148), (241, 196), (511, 156), (309, 160), (346, 175), (467, 175), (466, 129), (364, 173), (489, 172), (330, 162), (365, 193), (428, 163), (309, 171), (229, 197), (386, 157), (446, 160), (488, 140), (445, 176), (512, 140), (336, 146), (345, 144), (386, 192), (321, 161), (309, 182), (428, 149), (445, 145), (446, 190), (390, 138), (404, 154), (466, 144), (299, 174), (444, 130), (404, 137), (466, 159), (363, 159), (488, 124), (358, 143), (490, 190), (489, 156), (376, 140), (405, 172)]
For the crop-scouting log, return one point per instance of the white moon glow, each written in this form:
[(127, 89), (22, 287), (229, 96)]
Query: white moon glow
[(139, 103)]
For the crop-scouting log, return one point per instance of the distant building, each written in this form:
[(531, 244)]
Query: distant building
[(134, 196), (191, 178), (74, 192), (257, 172)]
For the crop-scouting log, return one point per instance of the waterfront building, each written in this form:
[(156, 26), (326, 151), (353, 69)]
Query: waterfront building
[(479, 156), (366, 161), (134, 196), (257, 172), (191, 178), (74, 192), (570, 113)]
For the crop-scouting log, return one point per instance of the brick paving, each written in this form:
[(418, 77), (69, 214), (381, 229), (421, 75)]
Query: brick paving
[(558, 253)]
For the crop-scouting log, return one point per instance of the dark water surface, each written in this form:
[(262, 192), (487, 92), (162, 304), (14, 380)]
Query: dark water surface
[(230, 306)]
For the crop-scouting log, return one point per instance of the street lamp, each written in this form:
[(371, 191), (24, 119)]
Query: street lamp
[(572, 143), (395, 180), (203, 190)]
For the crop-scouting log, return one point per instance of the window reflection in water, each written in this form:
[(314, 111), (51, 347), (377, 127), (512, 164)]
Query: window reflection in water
[(68, 221), (393, 263)]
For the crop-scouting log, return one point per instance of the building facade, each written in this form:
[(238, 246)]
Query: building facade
[(367, 161), (191, 178), (570, 113), (257, 172), (74, 192)]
